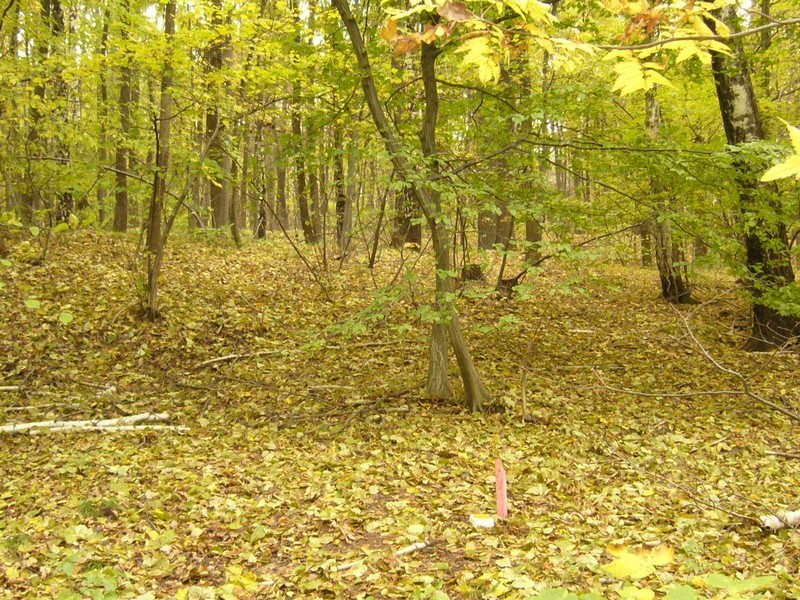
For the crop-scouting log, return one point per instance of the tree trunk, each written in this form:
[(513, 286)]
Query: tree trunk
[(300, 170), (475, 393), (669, 257), (645, 233), (767, 255), (282, 208), (102, 112), (407, 228), (121, 200), (487, 229), (156, 234), (215, 128)]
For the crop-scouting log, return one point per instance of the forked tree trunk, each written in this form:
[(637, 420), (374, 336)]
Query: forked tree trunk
[(475, 392), (766, 242)]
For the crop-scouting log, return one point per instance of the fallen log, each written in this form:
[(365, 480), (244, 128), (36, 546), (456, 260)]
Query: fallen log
[(88, 425)]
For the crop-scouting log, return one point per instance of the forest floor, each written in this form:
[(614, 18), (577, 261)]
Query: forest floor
[(312, 456)]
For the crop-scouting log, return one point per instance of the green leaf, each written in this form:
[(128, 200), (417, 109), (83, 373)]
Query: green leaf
[(66, 317), (752, 584), (681, 592), (33, 303), (556, 594), (788, 168), (259, 533), (60, 227), (34, 230)]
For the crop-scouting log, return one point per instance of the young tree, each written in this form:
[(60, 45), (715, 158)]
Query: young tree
[(157, 232), (669, 256), (121, 161), (447, 331)]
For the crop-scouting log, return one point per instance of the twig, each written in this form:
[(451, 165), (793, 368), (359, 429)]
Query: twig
[(374, 404), (782, 454), (112, 428), (742, 379), (419, 546), (9, 388), (40, 406), (714, 443), (227, 357), (690, 492)]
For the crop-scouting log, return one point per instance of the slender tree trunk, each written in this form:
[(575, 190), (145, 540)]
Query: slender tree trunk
[(282, 209), (645, 233), (121, 200), (487, 229), (767, 255), (475, 393), (300, 170), (407, 225), (156, 233), (669, 256), (102, 112), (215, 129), (339, 186)]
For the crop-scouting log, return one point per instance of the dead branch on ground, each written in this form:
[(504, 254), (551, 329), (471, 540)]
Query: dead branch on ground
[(129, 423)]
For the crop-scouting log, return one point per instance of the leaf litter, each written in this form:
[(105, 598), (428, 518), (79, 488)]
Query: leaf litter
[(313, 458)]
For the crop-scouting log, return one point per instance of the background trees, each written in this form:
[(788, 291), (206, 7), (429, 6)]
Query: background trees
[(549, 130)]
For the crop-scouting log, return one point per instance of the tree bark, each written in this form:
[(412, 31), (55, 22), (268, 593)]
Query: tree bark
[(669, 256), (214, 54), (156, 233), (300, 170), (121, 200), (767, 255)]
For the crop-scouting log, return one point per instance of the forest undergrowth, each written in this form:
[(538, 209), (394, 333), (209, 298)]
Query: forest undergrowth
[(313, 463)]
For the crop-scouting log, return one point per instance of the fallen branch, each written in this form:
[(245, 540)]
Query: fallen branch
[(40, 406), (710, 444), (108, 424), (744, 381), (780, 520), (112, 428), (782, 454), (9, 388), (219, 359)]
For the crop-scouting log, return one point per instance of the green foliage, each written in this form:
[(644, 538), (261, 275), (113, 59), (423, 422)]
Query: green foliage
[(785, 300)]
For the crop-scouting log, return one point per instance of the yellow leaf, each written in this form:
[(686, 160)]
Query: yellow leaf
[(389, 31), (700, 27), (660, 555), (794, 136), (617, 549), (635, 593), (657, 78), (788, 168), (687, 51), (629, 566)]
